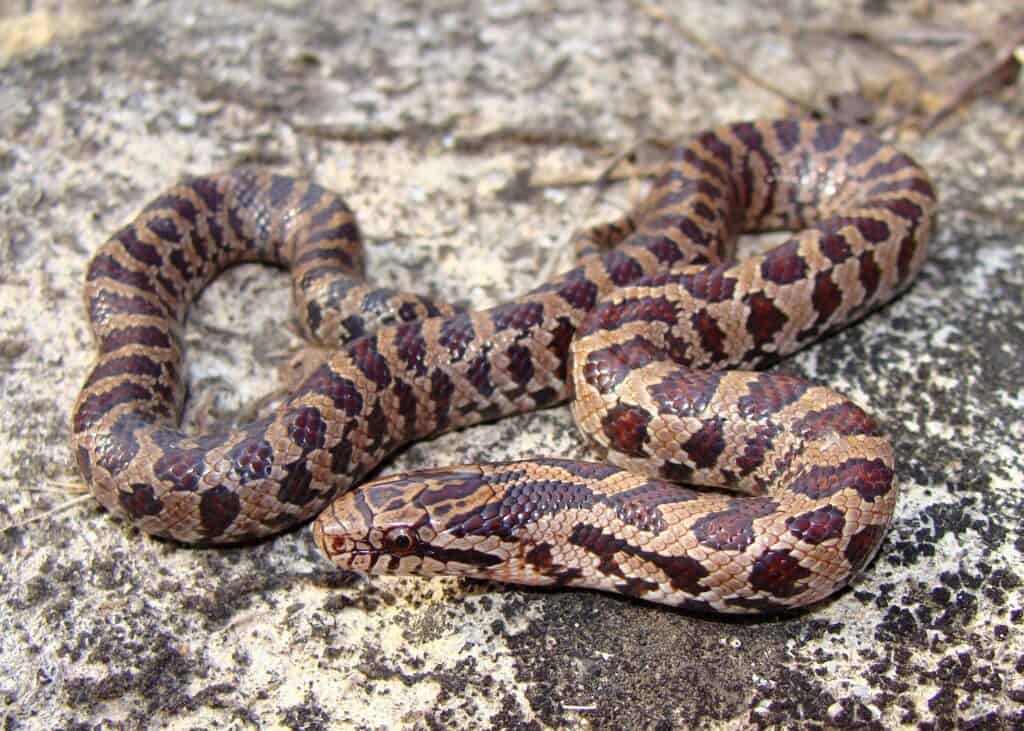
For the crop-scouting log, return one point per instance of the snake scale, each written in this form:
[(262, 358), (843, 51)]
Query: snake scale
[(645, 334)]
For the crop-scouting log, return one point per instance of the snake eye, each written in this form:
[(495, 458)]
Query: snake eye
[(400, 541)]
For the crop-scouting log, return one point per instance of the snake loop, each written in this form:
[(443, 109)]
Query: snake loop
[(643, 334)]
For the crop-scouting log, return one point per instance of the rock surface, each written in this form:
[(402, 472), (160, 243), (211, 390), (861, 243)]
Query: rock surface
[(431, 122)]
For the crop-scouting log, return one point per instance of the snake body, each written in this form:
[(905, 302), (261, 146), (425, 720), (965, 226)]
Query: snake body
[(641, 333)]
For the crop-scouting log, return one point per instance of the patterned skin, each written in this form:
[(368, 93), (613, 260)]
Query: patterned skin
[(641, 332)]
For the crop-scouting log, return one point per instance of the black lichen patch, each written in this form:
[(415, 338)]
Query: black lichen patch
[(309, 714)]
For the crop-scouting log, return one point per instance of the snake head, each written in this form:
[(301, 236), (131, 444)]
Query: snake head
[(399, 525)]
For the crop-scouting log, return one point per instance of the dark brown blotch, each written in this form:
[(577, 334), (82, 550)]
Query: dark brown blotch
[(517, 316), (252, 459), (520, 364), (827, 136), (104, 266), (441, 390), (826, 296), (843, 418), (778, 573), (870, 275), (281, 188), (714, 144), (539, 556), (712, 337), (411, 347), (817, 526), (833, 243), (96, 405), (769, 393), (583, 470), (166, 229), (306, 428), (456, 335), (626, 428), (872, 230), (370, 362), (787, 133), (341, 455), (639, 506), (149, 336), (606, 368), (209, 192), (865, 148), (378, 428), (765, 319), (784, 264), (732, 529), (457, 486), (756, 445), (218, 508), (106, 304), (612, 315), (664, 249), (903, 185), (247, 230), (863, 545), (478, 373), (636, 586), (561, 338), (172, 203), (908, 248), (128, 365), (145, 253), (870, 478), (706, 445), (342, 392), (684, 573), (182, 468), (579, 292), (709, 284), (139, 501), (297, 485), (621, 268)]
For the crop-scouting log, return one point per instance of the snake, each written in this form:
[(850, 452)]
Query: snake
[(659, 334)]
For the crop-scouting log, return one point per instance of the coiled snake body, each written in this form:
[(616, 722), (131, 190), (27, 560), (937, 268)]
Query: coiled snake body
[(641, 331)]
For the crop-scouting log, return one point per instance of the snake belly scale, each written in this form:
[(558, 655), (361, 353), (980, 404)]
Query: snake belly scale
[(644, 334)]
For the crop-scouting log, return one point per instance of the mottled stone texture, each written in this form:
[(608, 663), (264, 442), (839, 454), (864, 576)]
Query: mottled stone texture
[(431, 121)]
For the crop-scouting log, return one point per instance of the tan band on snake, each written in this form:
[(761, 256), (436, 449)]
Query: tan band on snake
[(641, 332)]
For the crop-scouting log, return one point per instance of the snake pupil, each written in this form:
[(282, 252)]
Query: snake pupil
[(400, 541)]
